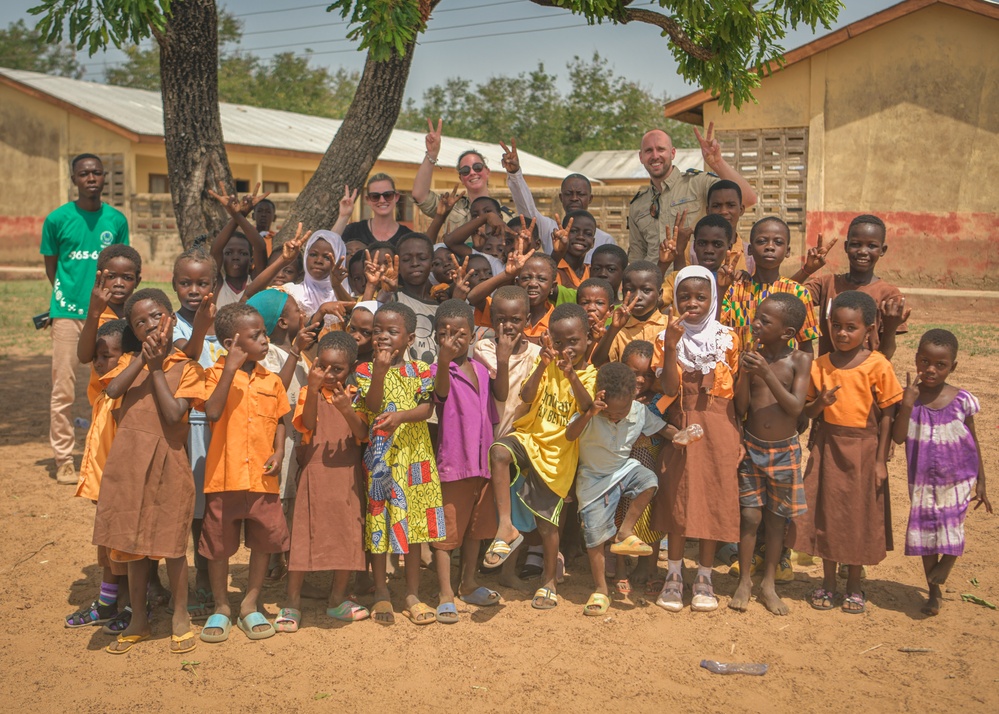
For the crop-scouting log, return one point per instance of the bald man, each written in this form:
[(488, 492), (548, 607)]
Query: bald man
[(670, 192)]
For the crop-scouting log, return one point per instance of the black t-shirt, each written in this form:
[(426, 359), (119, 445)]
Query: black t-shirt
[(361, 231)]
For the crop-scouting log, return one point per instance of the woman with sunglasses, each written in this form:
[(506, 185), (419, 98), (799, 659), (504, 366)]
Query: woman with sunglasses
[(472, 172), (381, 198)]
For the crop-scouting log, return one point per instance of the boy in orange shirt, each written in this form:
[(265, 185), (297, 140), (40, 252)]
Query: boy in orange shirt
[(243, 467)]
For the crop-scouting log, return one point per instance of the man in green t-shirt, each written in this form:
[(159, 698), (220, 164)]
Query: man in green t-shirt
[(72, 237)]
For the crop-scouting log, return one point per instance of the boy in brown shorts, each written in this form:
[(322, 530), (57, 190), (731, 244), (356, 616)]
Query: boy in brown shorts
[(770, 394), (243, 468)]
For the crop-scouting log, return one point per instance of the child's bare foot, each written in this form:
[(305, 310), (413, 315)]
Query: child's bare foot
[(740, 600), (771, 601), (941, 571), (509, 579), (934, 602)]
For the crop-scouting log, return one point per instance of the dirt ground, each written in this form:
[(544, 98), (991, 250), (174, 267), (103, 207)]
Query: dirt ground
[(637, 658)]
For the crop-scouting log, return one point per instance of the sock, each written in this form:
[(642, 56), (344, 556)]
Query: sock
[(109, 594), (673, 567), (703, 572)]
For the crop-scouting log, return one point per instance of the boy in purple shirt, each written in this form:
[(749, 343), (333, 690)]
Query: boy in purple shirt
[(467, 418)]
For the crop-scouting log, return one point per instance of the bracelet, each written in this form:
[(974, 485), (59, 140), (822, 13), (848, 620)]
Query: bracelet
[(296, 355), (430, 158)]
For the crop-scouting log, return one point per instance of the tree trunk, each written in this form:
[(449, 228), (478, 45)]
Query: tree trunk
[(192, 125), (362, 136)]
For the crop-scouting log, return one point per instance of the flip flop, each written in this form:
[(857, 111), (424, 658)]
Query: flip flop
[(383, 608), (655, 586), (255, 619), (481, 596), (632, 545), (502, 550), (130, 640), (177, 646), (447, 614), (288, 620), (624, 586), (545, 595), (219, 622), (598, 604), (348, 611), (418, 611)]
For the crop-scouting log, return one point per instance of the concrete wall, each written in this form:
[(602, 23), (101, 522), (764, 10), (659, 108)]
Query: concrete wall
[(903, 123)]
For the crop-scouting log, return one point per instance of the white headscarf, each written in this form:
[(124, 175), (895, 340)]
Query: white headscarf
[(705, 342), (312, 293)]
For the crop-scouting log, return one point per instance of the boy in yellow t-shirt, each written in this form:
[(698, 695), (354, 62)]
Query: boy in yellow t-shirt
[(537, 457)]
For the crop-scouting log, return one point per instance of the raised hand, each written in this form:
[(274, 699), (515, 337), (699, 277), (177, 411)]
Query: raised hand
[(510, 160), (101, 294), (433, 139), (826, 397), (726, 273), (815, 258), (548, 353), (373, 272), (506, 343), (291, 247), (894, 313), (204, 316), (317, 376), (339, 273), (621, 313), (236, 357), (498, 225), (341, 400), (599, 402), (682, 232), (450, 346), (565, 364), (159, 343), (390, 273), (332, 307), (446, 201), (710, 148), (516, 259), (250, 200), (667, 251), (383, 358), (560, 236), (347, 202), (461, 279), (911, 392), (674, 330), (306, 336), (229, 203)]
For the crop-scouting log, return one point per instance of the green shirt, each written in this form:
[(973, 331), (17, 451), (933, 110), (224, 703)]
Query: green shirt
[(76, 237)]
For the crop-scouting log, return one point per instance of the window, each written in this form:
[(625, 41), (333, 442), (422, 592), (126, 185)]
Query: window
[(774, 162), (159, 183), (275, 187), (242, 185)]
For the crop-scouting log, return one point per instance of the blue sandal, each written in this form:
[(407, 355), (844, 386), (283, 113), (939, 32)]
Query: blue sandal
[(447, 613), (255, 619), (481, 596), (219, 622)]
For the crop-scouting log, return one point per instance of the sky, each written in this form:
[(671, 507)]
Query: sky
[(473, 39)]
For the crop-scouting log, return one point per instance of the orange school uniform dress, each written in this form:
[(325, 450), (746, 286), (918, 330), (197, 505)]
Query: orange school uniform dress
[(567, 276), (534, 332), (99, 436), (635, 329)]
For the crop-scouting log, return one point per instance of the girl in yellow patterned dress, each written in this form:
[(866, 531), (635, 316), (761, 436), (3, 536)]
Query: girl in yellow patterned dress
[(403, 489)]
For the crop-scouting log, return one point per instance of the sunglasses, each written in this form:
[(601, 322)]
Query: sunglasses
[(477, 167), (654, 206), (387, 195)]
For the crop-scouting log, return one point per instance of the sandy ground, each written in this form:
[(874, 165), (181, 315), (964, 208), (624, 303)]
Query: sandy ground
[(511, 657)]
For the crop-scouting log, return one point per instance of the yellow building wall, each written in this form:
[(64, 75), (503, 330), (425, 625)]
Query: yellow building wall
[(904, 123)]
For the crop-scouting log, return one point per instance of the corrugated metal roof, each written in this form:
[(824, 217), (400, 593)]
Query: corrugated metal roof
[(624, 164), (141, 112)]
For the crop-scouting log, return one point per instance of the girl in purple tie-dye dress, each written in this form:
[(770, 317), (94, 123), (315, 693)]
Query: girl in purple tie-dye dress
[(936, 422)]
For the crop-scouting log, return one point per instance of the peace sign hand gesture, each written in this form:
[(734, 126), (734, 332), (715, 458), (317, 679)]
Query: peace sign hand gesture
[(827, 397), (347, 202), (433, 139), (516, 259), (510, 160), (560, 236), (317, 376), (390, 274), (291, 247), (447, 201), (250, 200), (815, 258), (911, 392), (726, 273), (229, 203), (101, 295), (674, 330), (548, 353), (462, 276), (622, 313), (710, 147)]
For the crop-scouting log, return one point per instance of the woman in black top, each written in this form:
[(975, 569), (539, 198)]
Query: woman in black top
[(381, 198)]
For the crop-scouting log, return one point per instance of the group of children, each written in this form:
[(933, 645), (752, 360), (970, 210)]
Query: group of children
[(338, 404)]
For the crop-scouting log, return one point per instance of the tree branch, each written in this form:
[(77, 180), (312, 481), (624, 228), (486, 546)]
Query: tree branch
[(672, 28)]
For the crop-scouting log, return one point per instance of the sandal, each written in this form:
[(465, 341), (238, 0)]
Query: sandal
[(544, 599), (501, 550), (654, 587), (704, 599), (633, 546), (93, 614), (120, 622), (130, 640), (288, 620), (447, 613), (348, 611), (421, 614), (671, 597), (382, 613), (481, 596), (822, 599), (597, 605), (623, 586), (178, 646), (857, 603)]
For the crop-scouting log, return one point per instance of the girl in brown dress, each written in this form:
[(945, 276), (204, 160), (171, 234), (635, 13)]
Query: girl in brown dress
[(329, 505), (146, 501), (699, 492)]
